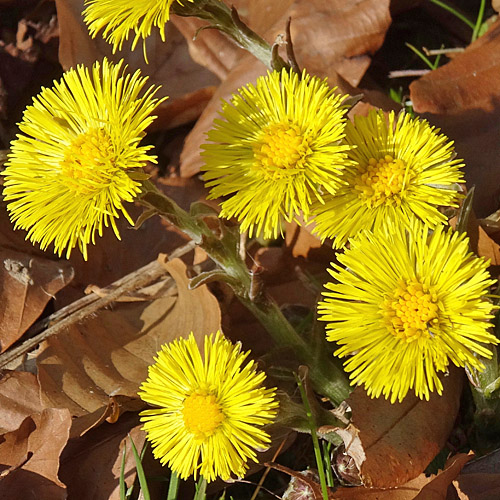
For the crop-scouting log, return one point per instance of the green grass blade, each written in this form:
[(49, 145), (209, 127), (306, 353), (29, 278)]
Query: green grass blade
[(421, 55), (327, 447), (312, 426), (140, 472), (460, 16), (479, 21), (123, 486)]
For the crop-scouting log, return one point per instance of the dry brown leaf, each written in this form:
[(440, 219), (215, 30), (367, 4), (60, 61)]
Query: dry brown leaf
[(480, 242), (108, 355), (29, 457), (488, 248), (480, 478), (300, 240), (19, 398), (496, 5), (463, 99), (211, 49), (330, 39), (90, 466), (117, 405), (478, 486), (393, 443), (471, 80), (169, 63), (110, 259), (28, 283)]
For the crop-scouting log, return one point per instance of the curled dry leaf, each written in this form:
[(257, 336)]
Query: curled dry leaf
[(463, 98), (393, 443), (28, 283), (19, 398), (29, 457), (109, 354), (330, 39)]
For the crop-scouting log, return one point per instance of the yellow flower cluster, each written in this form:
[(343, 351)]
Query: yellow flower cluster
[(407, 297), (406, 300)]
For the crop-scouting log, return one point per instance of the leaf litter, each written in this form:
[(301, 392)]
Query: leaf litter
[(92, 371)]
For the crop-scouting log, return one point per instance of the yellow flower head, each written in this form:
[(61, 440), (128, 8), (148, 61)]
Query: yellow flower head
[(403, 169), (118, 17), (210, 408), (404, 304), (77, 158), (276, 150)]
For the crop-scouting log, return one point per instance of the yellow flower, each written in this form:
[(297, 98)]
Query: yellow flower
[(403, 169), (210, 409), (117, 17), (276, 150), (77, 158), (404, 304)]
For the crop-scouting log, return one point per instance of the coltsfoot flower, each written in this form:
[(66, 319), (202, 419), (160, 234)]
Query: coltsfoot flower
[(210, 408), (403, 169), (275, 150), (404, 304), (78, 157), (118, 17)]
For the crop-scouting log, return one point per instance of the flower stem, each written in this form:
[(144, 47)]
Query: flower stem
[(201, 489), (227, 20), (327, 378)]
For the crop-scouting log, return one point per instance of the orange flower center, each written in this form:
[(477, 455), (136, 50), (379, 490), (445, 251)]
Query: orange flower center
[(88, 164), (281, 150), (202, 415), (413, 311), (382, 181)]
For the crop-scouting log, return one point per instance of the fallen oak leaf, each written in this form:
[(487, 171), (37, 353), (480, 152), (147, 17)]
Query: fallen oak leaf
[(469, 81), (117, 405)]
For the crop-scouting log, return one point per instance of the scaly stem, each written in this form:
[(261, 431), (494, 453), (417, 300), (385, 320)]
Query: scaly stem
[(327, 378), (221, 17)]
